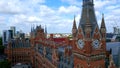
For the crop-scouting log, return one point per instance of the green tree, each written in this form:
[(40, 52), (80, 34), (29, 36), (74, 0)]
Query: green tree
[(70, 36), (2, 49), (5, 64), (0, 41)]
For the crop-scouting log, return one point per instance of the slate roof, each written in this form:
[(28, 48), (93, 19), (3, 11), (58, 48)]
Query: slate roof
[(20, 43), (88, 13)]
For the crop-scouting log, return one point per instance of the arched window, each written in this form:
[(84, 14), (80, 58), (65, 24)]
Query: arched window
[(78, 66)]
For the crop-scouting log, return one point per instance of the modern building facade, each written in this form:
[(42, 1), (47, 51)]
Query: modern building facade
[(13, 30), (7, 35), (86, 48)]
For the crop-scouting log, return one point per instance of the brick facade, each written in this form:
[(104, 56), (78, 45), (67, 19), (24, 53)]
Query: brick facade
[(87, 48)]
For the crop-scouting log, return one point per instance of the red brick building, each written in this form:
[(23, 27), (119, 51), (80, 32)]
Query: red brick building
[(86, 49)]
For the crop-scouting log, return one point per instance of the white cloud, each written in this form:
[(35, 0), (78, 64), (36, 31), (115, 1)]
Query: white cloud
[(103, 3), (36, 1), (69, 9), (99, 3), (24, 13), (10, 7), (18, 6), (112, 7), (2, 19), (33, 19), (45, 11), (116, 11)]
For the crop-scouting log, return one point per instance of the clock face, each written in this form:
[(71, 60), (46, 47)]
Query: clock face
[(96, 43), (80, 43)]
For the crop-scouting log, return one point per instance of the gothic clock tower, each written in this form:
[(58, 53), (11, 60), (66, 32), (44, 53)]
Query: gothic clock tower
[(90, 44)]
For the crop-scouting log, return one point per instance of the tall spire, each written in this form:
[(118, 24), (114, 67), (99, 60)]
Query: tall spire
[(87, 45), (88, 11)]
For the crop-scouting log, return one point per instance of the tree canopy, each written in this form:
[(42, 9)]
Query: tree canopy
[(5, 64), (0, 41), (1, 47)]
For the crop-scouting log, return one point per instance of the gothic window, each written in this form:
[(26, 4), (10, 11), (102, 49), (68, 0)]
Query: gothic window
[(78, 66)]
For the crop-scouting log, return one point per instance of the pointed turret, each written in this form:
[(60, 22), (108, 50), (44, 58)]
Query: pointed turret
[(103, 28), (103, 22), (74, 24), (74, 28)]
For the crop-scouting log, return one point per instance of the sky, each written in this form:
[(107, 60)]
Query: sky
[(56, 15)]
